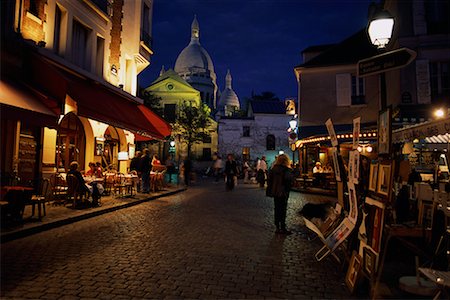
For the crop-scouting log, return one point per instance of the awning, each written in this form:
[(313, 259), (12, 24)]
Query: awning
[(96, 100), (421, 131), (22, 104)]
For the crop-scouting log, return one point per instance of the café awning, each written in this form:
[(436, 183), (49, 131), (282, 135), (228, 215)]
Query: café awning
[(95, 99), (23, 104), (430, 130)]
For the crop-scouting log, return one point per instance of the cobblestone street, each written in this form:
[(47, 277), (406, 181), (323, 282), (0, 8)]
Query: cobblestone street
[(201, 243)]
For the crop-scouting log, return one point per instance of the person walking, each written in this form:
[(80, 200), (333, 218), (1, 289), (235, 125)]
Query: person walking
[(145, 171), (217, 168), (261, 170), (278, 186), (246, 170), (170, 165), (231, 172)]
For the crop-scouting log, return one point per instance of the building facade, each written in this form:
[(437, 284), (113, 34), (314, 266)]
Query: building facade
[(173, 91), (195, 65), (69, 70)]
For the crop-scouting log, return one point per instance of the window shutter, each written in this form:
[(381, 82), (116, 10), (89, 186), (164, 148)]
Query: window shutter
[(423, 81), (344, 89)]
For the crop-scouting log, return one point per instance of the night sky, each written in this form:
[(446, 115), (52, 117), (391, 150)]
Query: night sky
[(260, 41)]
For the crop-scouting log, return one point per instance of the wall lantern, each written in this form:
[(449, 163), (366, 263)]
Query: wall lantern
[(380, 29), (439, 113), (172, 143)]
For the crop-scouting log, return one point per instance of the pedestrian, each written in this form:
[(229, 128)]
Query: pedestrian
[(261, 171), (187, 167), (218, 168), (135, 166), (170, 165), (145, 170), (278, 186), (231, 172), (246, 170)]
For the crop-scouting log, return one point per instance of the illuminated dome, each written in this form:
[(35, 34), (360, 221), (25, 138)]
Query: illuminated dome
[(196, 67), (228, 96)]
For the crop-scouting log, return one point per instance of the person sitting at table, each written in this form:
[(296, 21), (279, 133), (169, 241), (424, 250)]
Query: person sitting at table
[(83, 187), (99, 169), (318, 168), (156, 161), (92, 171)]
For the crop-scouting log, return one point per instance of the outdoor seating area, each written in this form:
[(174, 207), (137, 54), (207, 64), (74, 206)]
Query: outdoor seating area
[(63, 192)]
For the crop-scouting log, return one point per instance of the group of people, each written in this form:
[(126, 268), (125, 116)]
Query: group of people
[(92, 189), (142, 164)]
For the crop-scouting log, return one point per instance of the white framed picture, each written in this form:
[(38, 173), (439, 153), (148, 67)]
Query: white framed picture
[(356, 131), (331, 132)]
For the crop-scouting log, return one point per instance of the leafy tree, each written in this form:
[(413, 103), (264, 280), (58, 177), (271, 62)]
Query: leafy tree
[(192, 124), (265, 96), (152, 101)]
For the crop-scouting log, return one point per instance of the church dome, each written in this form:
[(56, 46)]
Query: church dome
[(229, 98), (194, 56)]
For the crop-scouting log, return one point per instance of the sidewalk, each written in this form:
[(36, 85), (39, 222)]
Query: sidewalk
[(60, 215)]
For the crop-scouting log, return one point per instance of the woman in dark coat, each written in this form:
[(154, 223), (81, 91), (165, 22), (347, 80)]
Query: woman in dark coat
[(278, 186), (230, 172)]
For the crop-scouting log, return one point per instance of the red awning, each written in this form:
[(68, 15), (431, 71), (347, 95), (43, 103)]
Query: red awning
[(96, 100), (141, 138)]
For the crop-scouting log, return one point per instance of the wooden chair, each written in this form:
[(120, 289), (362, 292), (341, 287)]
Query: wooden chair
[(159, 180), (58, 189), (74, 190), (40, 198), (120, 185)]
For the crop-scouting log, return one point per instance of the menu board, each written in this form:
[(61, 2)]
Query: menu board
[(27, 157)]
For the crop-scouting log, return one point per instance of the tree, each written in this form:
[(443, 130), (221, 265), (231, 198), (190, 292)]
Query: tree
[(265, 96), (151, 101), (192, 124)]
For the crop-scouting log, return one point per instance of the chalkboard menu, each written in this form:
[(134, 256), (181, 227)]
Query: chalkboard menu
[(27, 157)]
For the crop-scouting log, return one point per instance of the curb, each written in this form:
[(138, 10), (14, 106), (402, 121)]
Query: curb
[(10, 236)]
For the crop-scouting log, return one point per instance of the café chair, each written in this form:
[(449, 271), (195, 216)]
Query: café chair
[(58, 188), (40, 198), (74, 190), (119, 184)]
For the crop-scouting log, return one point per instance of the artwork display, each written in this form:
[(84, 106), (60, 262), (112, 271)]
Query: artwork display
[(373, 177), (384, 179), (339, 234), (353, 201), (384, 132), (374, 222), (355, 175), (337, 170), (331, 132), (369, 261), (356, 131), (426, 212), (351, 165), (353, 271)]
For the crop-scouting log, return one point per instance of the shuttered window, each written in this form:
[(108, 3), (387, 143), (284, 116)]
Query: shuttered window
[(344, 89)]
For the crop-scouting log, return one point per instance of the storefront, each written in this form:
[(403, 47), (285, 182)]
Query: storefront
[(54, 115)]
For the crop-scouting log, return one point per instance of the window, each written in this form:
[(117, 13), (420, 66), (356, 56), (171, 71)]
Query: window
[(437, 13), (57, 35), (80, 36), (33, 8), (343, 89), (207, 139), (170, 112), (357, 91), (246, 131), (145, 32), (270, 142), (100, 56), (206, 154), (439, 79)]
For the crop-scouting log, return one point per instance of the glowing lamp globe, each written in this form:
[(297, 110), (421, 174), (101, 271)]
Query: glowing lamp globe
[(380, 29)]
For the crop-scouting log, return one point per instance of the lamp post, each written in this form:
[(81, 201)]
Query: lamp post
[(293, 135), (380, 33)]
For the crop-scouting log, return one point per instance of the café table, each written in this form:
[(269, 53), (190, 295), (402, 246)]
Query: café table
[(15, 198)]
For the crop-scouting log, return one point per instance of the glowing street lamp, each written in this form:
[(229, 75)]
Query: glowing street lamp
[(439, 113), (380, 29)]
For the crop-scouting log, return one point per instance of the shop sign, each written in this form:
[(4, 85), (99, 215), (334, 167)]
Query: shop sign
[(386, 62), (422, 131)]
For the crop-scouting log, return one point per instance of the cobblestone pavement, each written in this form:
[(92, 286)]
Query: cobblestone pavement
[(201, 243)]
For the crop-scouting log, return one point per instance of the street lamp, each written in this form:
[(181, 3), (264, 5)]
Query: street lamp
[(380, 33), (380, 29)]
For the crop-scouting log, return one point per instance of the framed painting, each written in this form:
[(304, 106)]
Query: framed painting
[(351, 165), (337, 170), (384, 131), (354, 269), (426, 212), (369, 262), (356, 131), (374, 222), (356, 160), (353, 203), (384, 179), (373, 177), (331, 132)]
